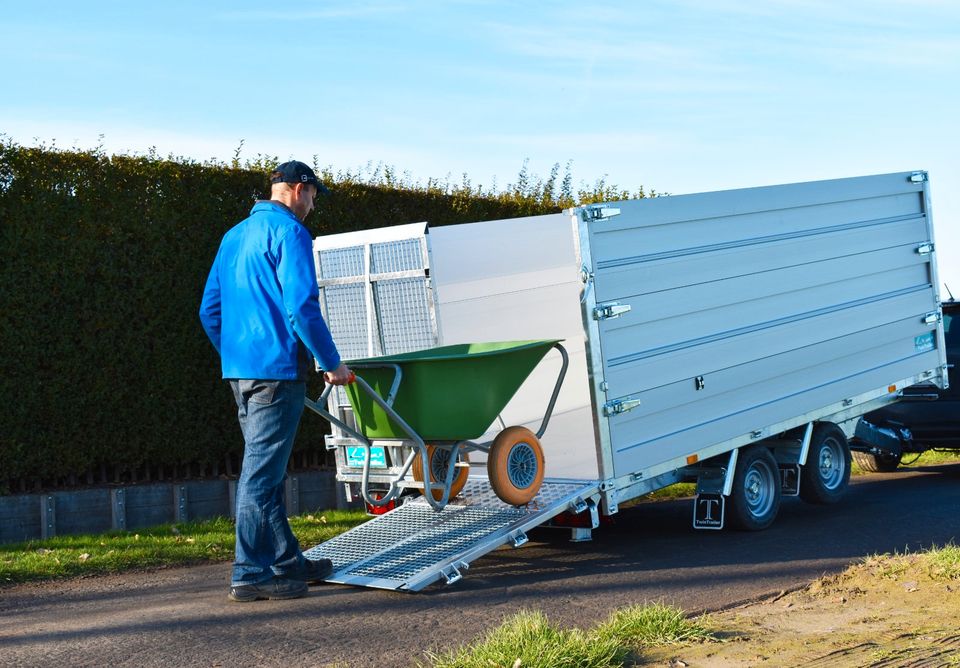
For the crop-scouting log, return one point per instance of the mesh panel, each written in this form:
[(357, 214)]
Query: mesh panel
[(370, 538), (405, 318), (477, 492), (402, 320), (402, 308), (341, 262), (396, 256), (414, 540), (437, 542), (346, 316)]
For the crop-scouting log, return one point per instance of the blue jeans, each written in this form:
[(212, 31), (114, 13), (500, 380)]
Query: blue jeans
[(269, 412)]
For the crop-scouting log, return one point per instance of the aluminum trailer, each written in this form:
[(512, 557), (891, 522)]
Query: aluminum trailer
[(732, 338)]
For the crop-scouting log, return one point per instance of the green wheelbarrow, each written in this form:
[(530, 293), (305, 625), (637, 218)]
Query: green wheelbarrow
[(427, 406)]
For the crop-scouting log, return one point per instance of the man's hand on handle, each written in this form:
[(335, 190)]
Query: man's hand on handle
[(342, 375)]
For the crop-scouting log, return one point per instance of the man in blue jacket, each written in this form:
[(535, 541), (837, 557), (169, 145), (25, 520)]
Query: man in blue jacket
[(262, 312)]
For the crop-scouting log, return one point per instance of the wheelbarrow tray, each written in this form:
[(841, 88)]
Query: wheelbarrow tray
[(450, 393)]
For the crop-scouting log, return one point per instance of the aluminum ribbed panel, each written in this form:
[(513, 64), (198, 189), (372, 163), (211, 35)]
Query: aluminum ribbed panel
[(412, 546), (745, 310)]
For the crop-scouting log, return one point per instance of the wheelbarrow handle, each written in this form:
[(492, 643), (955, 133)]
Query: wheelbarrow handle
[(420, 448), (318, 407)]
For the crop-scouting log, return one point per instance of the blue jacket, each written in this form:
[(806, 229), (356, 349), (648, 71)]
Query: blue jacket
[(261, 305)]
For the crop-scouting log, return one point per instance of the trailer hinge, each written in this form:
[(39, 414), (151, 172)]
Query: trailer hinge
[(925, 249), (595, 213), (452, 572), (931, 318), (577, 506), (618, 406), (518, 538), (918, 177), (610, 310)]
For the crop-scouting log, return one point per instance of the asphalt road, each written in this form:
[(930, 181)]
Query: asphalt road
[(181, 616)]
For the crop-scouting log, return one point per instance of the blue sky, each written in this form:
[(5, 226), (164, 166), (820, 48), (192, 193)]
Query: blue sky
[(683, 96)]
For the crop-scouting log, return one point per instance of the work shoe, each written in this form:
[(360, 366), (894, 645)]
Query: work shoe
[(313, 571), (274, 589)]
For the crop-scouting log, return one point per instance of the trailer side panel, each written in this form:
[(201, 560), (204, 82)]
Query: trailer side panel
[(743, 309)]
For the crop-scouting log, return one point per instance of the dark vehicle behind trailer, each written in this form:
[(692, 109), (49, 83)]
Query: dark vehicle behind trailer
[(927, 418)]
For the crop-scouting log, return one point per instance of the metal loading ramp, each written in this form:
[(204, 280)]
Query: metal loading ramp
[(413, 546)]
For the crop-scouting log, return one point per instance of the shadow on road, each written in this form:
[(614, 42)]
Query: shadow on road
[(650, 553)]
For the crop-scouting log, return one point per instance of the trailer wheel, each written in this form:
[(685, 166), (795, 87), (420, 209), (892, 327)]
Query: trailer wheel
[(439, 460), (827, 472), (755, 498), (515, 465), (884, 463)]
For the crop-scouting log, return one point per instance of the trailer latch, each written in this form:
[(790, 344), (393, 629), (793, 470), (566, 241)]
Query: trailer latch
[(618, 406), (925, 249), (931, 318), (918, 177), (594, 213), (610, 310)]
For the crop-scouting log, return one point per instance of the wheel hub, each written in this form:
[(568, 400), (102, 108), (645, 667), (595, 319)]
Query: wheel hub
[(439, 463), (522, 465), (826, 461), (831, 464), (757, 490)]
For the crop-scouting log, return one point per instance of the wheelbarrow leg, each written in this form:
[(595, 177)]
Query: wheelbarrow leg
[(446, 463)]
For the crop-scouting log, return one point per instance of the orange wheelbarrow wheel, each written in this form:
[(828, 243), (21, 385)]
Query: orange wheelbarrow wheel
[(439, 460), (515, 465)]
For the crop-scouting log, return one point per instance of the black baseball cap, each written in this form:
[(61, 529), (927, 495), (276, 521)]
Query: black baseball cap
[(297, 172)]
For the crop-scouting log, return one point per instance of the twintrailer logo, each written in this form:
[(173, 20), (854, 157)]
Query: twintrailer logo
[(708, 511)]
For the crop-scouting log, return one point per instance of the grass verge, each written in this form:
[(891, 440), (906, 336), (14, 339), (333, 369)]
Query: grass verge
[(928, 458), (937, 564), (931, 458), (679, 490), (897, 609), (528, 640), (166, 545)]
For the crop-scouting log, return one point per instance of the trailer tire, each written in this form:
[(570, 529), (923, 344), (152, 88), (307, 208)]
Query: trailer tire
[(877, 463), (826, 474), (439, 459), (755, 497), (515, 465)]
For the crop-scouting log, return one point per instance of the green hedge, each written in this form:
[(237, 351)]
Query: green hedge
[(102, 262)]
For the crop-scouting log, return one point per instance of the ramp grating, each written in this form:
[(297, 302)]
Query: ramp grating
[(414, 545)]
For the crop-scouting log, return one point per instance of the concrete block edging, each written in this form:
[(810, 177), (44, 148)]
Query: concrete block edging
[(25, 517)]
